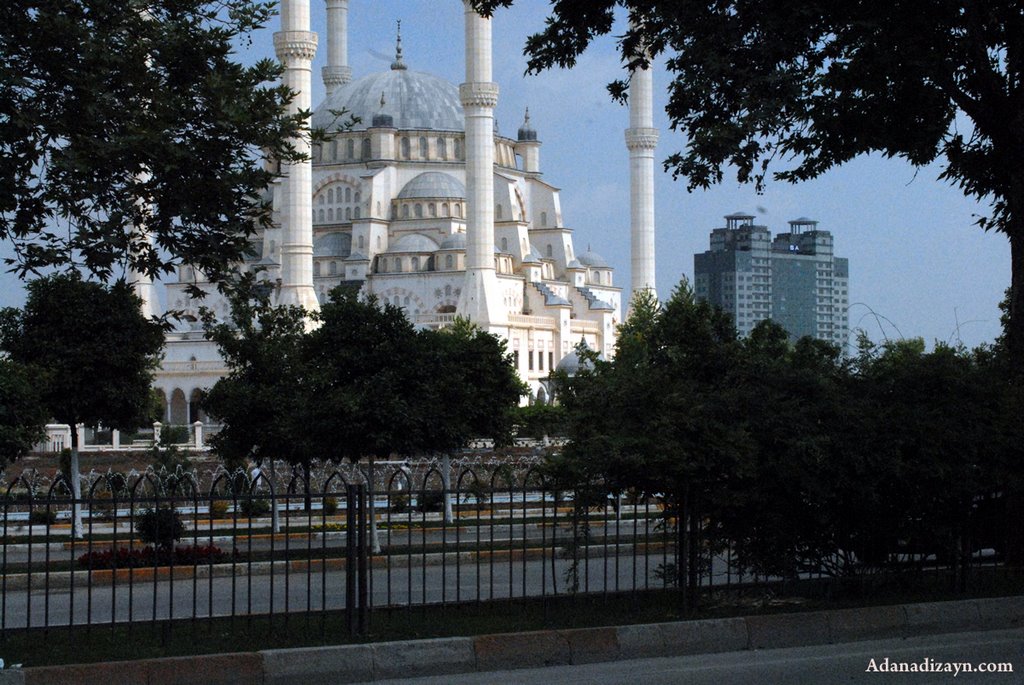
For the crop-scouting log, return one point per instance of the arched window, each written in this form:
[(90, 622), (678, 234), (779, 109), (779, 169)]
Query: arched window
[(333, 269), (321, 215), (334, 149), (361, 243), (406, 301), (551, 251), (406, 153), (355, 213), (504, 244), (330, 214), (442, 148), (458, 148), (316, 268), (405, 211), (448, 262), (544, 219), (358, 197), (458, 211), (366, 148), (348, 193), (273, 247), (398, 264), (432, 209), (348, 214), (444, 209), (448, 291), (321, 199), (330, 195), (418, 210), (423, 148), (498, 211), (415, 265), (350, 148)]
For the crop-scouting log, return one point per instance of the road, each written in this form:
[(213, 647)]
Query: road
[(409, 581), (843, 663)]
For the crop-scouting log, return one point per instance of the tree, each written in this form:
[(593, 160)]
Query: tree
[(472, 391), (22, 416), (93, 354), (259, 401), (811, 85), (659, 418), (132, 137)]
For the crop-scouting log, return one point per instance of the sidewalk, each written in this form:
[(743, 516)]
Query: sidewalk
[(389, 660)]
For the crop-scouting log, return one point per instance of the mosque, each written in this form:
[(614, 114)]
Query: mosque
[(426, 204)]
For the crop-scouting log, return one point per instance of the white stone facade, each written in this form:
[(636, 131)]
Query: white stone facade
[(426, 205)]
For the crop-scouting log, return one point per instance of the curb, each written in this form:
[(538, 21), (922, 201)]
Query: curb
[(59, 580), (441, 656)]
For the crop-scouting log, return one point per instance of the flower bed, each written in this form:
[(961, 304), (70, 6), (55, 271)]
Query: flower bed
[(123, 557)]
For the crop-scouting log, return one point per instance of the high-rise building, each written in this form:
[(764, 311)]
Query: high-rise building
[(795, 279)]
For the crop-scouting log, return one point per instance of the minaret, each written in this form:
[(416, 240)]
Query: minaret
[(144, 289), (480, 297), (337, 72), (295, 46), (641, 139)]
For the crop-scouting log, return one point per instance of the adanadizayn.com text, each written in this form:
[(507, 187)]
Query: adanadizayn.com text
[(927, 665)]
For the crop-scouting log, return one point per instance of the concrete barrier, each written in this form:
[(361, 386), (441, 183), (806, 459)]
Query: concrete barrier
[(368, 662), (788, 630), (442, 656), (318, 665), (521, 650)]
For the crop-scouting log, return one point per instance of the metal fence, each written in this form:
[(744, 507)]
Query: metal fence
[(294, 546), (266, 546)]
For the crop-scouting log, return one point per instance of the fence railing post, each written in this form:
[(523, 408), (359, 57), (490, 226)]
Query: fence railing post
[(351, 566), (364, 595)]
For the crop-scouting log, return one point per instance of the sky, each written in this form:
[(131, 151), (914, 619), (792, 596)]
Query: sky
[(919, 267)]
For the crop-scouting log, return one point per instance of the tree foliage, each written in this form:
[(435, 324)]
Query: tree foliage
[(362, 383), (22, 416), (91, 351), (257, 401), (796, 456), (791, 89), (122, 120)]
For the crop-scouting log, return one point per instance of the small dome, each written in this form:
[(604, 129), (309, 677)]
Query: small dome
[(456, 241), (332, 245), (531, 259), (433, 184), (571, 364), (575, 264), (526, 131), (592, 259), (414, 242)]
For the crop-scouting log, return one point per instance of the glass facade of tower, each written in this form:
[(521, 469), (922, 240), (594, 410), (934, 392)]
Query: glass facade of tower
[(795, 279)]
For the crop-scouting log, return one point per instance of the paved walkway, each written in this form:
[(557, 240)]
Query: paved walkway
[(819, 665)]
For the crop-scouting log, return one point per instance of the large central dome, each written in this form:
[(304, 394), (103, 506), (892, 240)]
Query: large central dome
[(413, 99)]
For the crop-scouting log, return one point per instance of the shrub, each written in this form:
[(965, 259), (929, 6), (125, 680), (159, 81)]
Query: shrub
[(330, 505), (254, 506), (398, 502), (430, 500), (218, 509), (160, 527), (42, 517)]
